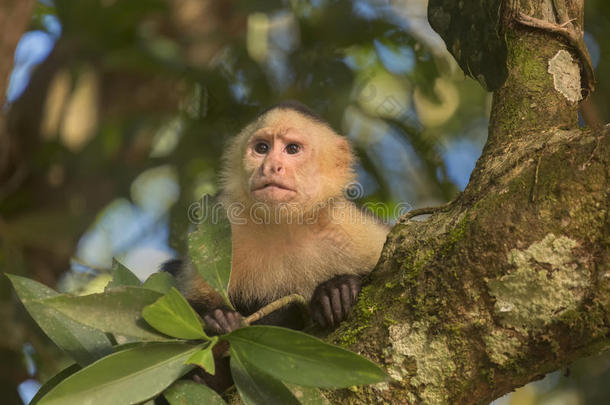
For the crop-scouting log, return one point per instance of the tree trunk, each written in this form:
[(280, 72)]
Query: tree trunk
[(511, 280)]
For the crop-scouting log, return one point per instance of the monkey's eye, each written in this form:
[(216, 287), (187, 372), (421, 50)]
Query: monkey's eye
[(261, 148), (293, 148)]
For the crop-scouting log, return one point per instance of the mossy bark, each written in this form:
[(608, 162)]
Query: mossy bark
[(512, 280)]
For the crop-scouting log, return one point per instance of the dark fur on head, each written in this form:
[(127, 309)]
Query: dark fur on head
[(294, 106)]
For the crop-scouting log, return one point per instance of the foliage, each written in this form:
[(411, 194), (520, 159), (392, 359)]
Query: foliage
[(167, 339), (163, 113), (210, 249)]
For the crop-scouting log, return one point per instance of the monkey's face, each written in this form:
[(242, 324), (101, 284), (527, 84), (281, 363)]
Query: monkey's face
[(280, 166), (286, 159)]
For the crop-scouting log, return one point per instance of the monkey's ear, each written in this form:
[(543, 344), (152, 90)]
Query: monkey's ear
[(343, 156), (343, 144)]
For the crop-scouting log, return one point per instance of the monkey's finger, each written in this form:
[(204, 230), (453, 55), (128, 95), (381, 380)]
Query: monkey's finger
[(354, 287), (326, 311), (234, 320), (198, 379), (335, 300), (318, 318), (212, 324), (222, 320), (346, 299)]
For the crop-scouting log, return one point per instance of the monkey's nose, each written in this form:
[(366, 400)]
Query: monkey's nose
[(274, 167)]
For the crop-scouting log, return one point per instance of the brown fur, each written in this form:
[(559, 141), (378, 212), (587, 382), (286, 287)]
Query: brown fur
[(328, 235)]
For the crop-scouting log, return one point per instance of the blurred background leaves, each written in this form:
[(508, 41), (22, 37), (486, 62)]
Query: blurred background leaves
[(117, 111)]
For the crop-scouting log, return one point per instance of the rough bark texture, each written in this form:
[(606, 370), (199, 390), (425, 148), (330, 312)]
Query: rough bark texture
[(512, 279)]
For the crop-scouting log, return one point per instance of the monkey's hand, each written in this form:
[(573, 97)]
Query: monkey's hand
[(333, 300), (222, 320)]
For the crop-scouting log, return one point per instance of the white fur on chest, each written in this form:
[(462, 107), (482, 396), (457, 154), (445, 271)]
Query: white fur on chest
[(278, 262)]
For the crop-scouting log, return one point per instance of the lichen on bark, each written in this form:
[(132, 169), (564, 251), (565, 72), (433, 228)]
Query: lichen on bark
[(512, 279), (545, 282)]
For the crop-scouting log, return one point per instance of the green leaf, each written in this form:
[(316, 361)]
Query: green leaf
[(205, 358), (28, 289), (301, 359), (127, 377), (210, 248), (172, 315), (256, 387), (53, 381), (308, 395), (117, 311), (191, 393), (160, 282), (84, 344), (121, 276)]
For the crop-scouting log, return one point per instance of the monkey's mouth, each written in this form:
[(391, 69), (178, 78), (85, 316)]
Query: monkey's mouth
[(272, 191), (272, 185)]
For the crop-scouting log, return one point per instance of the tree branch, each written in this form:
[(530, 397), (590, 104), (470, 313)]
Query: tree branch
[(512, 280)]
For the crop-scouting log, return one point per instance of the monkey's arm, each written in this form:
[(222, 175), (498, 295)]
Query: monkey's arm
[(332, 300), (330, 304)]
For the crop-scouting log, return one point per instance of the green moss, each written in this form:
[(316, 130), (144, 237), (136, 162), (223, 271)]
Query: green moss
[(366, 305), (455, 236), (454, 330), (529, 81), (489, 375), (365, 308), (387, 321), (585, 322), (350, 336), (412, 265)]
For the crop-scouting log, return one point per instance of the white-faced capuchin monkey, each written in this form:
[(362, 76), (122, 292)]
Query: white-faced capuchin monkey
[(294, 231)]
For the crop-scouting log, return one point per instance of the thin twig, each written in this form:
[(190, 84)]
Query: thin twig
[(533, 22), (222, 348), (533, 193), (560, 11), (275, 305), (588, 162), (425, 211)]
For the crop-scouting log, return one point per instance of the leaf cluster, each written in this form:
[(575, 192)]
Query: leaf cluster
[(134, 341)]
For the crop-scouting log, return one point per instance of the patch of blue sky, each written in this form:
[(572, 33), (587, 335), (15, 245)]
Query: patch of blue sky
[(460, 156), (400, 60), (122, 227), (593, 47), (366, 180), (365, 9), (399, 161), (32, 49), (28, 389), (394, 157), (52, 25)]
